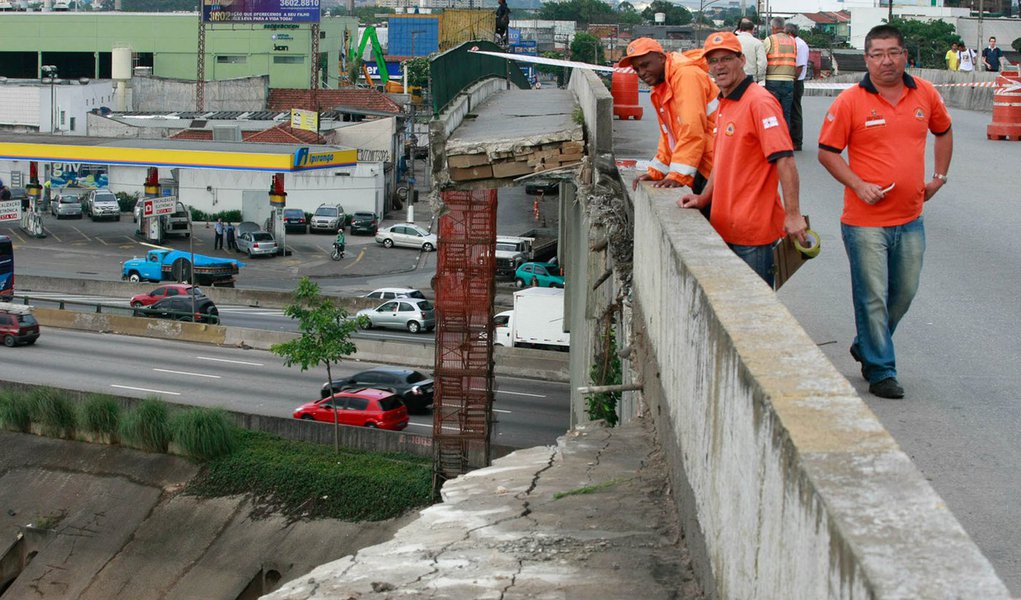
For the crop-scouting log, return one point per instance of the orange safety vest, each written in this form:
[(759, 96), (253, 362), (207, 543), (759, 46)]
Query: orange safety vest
[(781, 60)]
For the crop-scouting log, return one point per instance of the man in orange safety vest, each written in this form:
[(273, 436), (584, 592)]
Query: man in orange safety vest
[(781, 66), (685, 100)]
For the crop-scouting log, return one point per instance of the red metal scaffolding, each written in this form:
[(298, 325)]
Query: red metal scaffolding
[(463, 376)]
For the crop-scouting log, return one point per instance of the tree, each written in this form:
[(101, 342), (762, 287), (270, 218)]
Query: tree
[(581, 11), (325, 336), (675, 13), (417, 70), (627, 15), (550, 69), (927, 42), (587, 48)]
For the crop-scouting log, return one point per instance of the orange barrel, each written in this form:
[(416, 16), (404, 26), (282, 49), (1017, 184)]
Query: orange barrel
[(624, 89), (1006, 123)]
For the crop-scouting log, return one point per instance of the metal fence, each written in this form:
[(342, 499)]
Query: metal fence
[(456, 69)]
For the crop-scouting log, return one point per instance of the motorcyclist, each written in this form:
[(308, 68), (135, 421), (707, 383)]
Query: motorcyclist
[(338, 243)]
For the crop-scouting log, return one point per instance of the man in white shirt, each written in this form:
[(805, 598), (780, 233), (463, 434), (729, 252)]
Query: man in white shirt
[(967, 59), (751, 47), (801, 62)]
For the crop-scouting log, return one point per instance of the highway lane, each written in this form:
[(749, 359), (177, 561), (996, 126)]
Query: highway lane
[(527, 412)]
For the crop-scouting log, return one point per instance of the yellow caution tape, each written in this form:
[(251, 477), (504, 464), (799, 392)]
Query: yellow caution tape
[(812, 244)]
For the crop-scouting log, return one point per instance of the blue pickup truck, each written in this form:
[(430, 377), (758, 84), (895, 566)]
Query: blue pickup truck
[(175, 265)]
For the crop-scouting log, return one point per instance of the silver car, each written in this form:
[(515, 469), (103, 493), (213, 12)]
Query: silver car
[(251, 240), (407, 235), (102, 204), (328, 217), (66, 205), (413, 314)]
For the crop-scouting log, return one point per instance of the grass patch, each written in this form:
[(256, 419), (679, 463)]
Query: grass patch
[(53, 411), (588, 489), (310, 481), (147, 426), (15, 411), (203, 433), (100, 414)]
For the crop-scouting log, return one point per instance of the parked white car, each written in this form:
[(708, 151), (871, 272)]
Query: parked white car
[(391, 293), (406, 235)]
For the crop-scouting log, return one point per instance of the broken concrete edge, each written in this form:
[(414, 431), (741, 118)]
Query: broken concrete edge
[(588, 518), (786, 478)]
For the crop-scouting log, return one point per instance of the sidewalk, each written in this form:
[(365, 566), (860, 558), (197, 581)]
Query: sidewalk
[(592, 518)]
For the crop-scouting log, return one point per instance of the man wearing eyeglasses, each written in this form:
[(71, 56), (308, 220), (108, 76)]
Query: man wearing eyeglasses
[(685, 101), (884, 123), (753, 156)]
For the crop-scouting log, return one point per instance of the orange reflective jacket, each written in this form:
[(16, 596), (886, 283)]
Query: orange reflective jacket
[(685, 105)]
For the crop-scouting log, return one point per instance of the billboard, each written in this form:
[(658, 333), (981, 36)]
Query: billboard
[(260, 11)]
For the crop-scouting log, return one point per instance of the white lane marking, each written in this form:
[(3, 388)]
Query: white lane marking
[(187, 373), (236, 362), (513, 393), (429, 425), (506, 412), (138, 389)]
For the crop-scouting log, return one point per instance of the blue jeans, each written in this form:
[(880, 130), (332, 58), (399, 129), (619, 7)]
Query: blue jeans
[(886, 263), (784, 92), (759, 258)]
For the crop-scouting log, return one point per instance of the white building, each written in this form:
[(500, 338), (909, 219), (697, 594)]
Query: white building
[(51, 106)]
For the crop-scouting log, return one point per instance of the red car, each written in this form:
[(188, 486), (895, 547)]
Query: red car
[(17, 325), (164, 291), (361, 408)]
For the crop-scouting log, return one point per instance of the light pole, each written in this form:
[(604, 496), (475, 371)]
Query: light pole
[(49, 73), (702, 5)]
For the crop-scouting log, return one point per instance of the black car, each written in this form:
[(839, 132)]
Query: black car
[(414, 388), (180, 308), (294, 220), (364, 222)]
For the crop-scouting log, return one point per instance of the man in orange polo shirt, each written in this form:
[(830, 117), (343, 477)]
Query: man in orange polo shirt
[(752, 155), (884, 122), (685, 99)]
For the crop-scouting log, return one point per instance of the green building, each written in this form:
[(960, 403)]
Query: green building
[(80, 44)]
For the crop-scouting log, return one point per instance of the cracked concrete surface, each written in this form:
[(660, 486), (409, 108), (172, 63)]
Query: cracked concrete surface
[(590, 518)]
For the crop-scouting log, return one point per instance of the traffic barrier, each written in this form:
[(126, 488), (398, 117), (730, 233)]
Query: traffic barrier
[(1006, 123), (624, 89)]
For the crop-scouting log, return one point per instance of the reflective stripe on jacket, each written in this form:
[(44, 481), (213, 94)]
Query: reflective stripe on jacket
[(685, 105), (781, 57)]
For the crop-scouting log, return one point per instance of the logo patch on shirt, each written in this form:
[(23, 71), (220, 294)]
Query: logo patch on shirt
[(770, 122), (830, 116), (730, 129), (919, 114)]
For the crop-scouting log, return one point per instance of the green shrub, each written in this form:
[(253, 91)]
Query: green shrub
[(100, 414), (306, 481), (15, 411), (147, 426), (127, 201), (53, 411), (228, 216), (203, 433)]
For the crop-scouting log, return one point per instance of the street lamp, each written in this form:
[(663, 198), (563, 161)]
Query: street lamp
[(49, 73)]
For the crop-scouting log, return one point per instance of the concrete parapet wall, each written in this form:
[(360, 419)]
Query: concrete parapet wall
[(788, 484), (158, 94), (958, 95)]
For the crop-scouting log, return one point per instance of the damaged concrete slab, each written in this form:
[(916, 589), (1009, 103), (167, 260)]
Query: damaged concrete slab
[(590, 518), (514, 133)]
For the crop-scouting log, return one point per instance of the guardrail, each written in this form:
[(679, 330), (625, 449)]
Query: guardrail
[(177, 315)]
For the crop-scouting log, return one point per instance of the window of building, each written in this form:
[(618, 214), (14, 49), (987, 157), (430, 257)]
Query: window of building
[(232, 59), (288, 60), (72, 123)]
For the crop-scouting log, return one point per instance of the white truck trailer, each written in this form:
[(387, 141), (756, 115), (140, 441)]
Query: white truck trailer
[(536, 321)]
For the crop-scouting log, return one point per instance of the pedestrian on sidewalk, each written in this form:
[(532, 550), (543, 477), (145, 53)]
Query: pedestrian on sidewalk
[(232, 243), (753, 157), (884, 122), (218, 235)]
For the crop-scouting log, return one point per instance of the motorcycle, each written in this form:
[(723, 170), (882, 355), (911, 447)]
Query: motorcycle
[(338, 251)]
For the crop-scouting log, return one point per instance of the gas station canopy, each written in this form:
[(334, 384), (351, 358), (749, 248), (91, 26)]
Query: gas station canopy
[(233, 156)]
